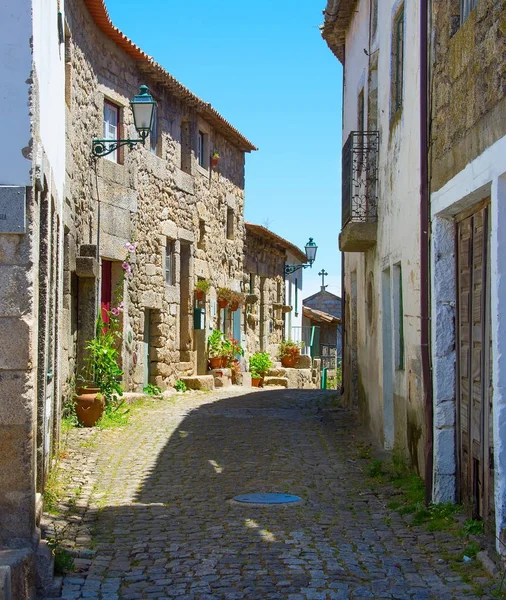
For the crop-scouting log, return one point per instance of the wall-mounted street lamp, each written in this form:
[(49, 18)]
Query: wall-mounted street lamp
[(310, 249), (143, 108)]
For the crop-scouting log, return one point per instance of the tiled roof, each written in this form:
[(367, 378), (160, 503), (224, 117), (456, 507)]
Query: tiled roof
[(338, 15), (319, 316), (267, 234), (99, 13)]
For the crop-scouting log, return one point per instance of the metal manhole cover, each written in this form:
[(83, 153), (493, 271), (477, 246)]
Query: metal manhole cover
[(272, 498)]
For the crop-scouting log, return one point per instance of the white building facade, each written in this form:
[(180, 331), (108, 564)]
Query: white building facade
[(382, 363)]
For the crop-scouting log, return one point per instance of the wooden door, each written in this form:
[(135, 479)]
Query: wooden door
[(474, 407)]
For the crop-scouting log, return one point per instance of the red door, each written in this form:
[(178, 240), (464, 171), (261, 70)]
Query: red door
[(106, 289)]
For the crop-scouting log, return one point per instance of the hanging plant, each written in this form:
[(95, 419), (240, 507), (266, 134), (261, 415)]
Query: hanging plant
[(224, 295), (215, 159)]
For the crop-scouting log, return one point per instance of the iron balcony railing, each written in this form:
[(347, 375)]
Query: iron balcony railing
[(360, 177)]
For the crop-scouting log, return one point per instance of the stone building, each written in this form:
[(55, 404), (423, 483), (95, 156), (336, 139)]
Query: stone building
[(184, 216), (32, 176), (382, 362), (323, 310), (276, 313), (468, 243)]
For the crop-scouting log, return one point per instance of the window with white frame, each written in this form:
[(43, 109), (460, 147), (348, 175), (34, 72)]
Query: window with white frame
[(111, 127), (397, 82), (466, 6), (153, 136), (203, 149), (170, 262)]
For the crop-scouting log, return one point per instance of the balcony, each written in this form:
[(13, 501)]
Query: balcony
[(359, 192)]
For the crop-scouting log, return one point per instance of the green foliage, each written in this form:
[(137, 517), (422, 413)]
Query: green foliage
[(289, 348), (472, 527), (102, 360), (63, 561), (215, 344), (259, 364), (180, 386), (115, 415), (203, 285), (224, 293), (375, 468), (151, 390)]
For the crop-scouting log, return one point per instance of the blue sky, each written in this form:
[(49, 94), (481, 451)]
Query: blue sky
[(264, 66)]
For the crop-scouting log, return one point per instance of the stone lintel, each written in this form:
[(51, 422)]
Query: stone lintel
[(86, 266)]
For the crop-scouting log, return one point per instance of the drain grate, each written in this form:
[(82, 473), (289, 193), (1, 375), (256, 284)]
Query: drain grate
[(270, 498)]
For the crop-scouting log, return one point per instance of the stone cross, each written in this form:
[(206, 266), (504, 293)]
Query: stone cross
[(323, 273)]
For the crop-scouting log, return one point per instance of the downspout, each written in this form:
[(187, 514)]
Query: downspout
[(425, 252), (343, 291)]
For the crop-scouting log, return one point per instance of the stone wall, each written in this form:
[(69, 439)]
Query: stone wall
[(468, 91), (264, 269), (147, 198)]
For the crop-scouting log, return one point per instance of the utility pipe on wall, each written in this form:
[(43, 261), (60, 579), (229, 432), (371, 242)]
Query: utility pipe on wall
[(425, 250)]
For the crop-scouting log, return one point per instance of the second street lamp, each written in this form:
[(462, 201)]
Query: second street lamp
[(310, 249)]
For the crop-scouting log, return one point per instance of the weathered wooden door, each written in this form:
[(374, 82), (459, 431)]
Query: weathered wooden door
[(474, 414)]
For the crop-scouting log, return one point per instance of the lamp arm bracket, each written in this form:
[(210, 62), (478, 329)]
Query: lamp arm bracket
[(292, 268), (102, 147)]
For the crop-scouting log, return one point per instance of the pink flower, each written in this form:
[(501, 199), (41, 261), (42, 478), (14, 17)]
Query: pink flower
[(127, 267), (121, 305), (131, 246), (115, 311)]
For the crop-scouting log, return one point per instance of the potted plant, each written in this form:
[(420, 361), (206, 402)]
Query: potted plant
[(215, 159), (215, 349), (231, 348), (259, 365), (289, 353), (202, 287), (224, 294), (103, 374), (235, 300)]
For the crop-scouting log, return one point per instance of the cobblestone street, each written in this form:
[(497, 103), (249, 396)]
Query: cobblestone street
[(150, 512)]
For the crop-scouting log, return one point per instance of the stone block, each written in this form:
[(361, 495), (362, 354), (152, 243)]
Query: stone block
[(199, 382), (304, 362), (277, 372), (89, 250), (17, 574), (281, 381), (222, 377), (243, 379), (151, 299), (13, 279), (150, 270), (16, 392), (444, 451), (444, 278), (444, 327), (15, 342), (86, 266), (444, 414), (12, 209), (444, 378)]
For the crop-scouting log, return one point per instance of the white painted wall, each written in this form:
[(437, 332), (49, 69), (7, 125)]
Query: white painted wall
[(49, 61), (15, 70), (398, 219), (484, 176), (293, 290)]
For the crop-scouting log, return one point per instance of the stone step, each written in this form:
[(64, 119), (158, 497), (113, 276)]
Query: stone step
[(222, 377), (185, 367), (199, 382), (281, 381), (17, 574), (276, 371)]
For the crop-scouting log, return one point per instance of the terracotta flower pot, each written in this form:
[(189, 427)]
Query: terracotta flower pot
[(215, 362), (89, 406), (222, 302), (224, 362), (289, 361), (199, 294), (234, 306), (256, 381), (214, 161)]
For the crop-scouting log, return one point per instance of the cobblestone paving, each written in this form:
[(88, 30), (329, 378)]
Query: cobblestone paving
[(150, 513)]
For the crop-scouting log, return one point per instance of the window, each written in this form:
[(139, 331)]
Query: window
[(361, 111), (374, 17), (230, 223), (398, 318), (397, 61), (186, 147), (170, 263), (202, 151), (466, 6), (252, 283), (153, 136), (111, 127), (201, 244)]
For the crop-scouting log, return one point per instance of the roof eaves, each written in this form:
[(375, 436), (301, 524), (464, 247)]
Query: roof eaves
[(99, 13), (338, 16), (262, 231)]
